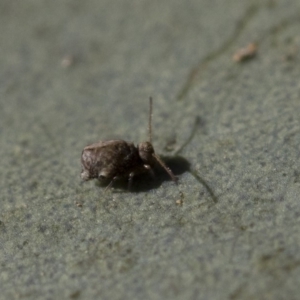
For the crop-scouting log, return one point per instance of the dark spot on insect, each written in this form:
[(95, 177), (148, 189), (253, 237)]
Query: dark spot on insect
[(111, 160)]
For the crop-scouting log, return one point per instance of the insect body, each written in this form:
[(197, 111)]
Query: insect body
[(114, 159)]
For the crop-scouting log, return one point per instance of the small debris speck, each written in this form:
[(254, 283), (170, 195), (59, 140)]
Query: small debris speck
[(245, 53)]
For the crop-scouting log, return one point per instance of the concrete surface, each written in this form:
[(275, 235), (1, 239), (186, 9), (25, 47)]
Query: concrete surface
[(75, 72)]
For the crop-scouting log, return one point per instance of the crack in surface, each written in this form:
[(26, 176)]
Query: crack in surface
[(241, 25)]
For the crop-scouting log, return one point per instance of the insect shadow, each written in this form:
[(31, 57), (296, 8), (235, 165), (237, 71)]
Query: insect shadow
[(148, 181)]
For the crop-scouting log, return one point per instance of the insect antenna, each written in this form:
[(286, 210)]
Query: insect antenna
[(168, 170), (150, 121)]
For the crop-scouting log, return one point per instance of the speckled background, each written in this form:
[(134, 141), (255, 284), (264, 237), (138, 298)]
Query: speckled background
[(74, 72)]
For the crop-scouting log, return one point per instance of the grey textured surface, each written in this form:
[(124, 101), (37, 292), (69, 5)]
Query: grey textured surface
[(237, 233)]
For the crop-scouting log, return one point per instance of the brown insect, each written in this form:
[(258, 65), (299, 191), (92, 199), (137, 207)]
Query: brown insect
[(115, 159)]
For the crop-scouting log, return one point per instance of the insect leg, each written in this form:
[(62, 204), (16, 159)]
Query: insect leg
[(110, 184), (131, 175), (150, 170), (167, 169)]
